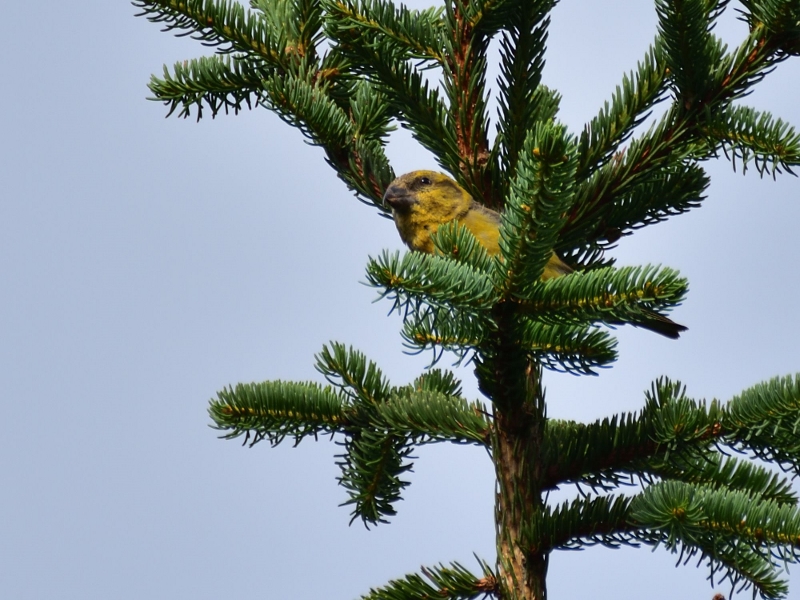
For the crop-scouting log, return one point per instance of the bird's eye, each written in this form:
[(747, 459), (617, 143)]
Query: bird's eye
[(424, 181)]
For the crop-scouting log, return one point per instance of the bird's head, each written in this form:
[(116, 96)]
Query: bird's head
[(423, 200), (425, 191)]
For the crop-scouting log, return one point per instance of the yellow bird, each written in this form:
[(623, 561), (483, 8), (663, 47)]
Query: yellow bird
[(421, 201)]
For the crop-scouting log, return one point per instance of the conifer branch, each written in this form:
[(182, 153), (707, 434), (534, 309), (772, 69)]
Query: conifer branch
[(460, 332), (748, 519), (350, 371), (280, 67), (764, 420), (746, 134), (612, 296), (540, 197), (428, 416), (417, 33), (304, 102), (665, 144), (680, 135), (223, 24), (690, 50), (464, 82), (423, 112), (386, 64), (218, 82), (670, 432), (781, 18), (273, 410), (675, 437), (558, 347), (567, 348), (434, 280), (297, 23), (722, 472), (630, 105), (372, 465), (449, 583), (438, 381), (490, 16), (375, 458), (587, 521), (601, 455), (715, 525), (523, 100), (670, 192)]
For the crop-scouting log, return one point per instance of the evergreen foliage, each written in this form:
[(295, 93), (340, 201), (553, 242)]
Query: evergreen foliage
[(344, 72)]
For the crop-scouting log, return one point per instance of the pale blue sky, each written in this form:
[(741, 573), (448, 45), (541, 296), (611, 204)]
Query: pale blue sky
[(146, 263)]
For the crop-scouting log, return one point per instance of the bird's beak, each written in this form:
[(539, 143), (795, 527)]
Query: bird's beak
[(398, 199)]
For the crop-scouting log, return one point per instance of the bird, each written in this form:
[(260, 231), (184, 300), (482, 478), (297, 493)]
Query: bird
[(421, 201)]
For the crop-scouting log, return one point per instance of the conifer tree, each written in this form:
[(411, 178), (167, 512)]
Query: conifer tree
[(344, 72)]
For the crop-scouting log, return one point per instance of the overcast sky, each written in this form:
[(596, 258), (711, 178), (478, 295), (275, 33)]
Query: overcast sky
[(147, 263)]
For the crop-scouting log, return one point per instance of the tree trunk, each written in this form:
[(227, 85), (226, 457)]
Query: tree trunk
[(519, 427)]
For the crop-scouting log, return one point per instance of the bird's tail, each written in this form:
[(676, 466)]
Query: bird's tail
[(660, 324)]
